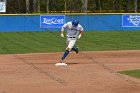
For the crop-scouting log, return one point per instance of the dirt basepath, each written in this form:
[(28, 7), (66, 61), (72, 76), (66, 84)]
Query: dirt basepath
[(87, 72)]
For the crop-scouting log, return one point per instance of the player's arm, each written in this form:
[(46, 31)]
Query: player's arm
[(62, 30), (80, 33)]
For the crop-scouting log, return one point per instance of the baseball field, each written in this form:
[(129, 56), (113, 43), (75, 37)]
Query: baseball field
[(108, 62)]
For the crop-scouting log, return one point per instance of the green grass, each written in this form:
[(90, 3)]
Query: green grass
[(133, 73), (29, 42)]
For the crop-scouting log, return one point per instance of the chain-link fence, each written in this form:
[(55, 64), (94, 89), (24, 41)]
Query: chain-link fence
[(72, 6)]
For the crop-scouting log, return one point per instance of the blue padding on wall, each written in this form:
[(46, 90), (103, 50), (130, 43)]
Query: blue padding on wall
[(26, 23), (102, 22), (9, 24)]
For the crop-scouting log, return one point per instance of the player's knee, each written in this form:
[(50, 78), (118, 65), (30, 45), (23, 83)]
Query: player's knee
[(69, 49)]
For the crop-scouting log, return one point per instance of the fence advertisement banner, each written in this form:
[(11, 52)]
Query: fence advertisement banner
[(131, 20), (2, 6), (52, 21)]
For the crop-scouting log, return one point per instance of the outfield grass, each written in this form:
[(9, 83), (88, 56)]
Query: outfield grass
[(133, 73), (31, 42)]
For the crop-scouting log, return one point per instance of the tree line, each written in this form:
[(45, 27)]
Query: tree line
[(73, 6)]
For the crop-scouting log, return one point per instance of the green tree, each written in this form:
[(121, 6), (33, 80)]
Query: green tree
[(84, 6), (135, 6), (27, 6), (73, 6)]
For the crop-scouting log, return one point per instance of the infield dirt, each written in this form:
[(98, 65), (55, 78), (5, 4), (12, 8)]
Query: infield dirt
[(86, 72)]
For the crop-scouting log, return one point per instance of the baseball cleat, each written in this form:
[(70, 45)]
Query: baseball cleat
[(61, 61), (77, 50)]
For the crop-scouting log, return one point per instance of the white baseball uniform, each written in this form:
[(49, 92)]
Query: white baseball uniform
[(72, 33)]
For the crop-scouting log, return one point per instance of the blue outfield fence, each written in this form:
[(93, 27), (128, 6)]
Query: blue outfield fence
[(94, 22)]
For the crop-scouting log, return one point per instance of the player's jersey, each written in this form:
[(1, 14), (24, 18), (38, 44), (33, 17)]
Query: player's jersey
[(72, 31)]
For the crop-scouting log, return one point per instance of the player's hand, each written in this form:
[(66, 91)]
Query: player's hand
[(62, 35), (79, 36)]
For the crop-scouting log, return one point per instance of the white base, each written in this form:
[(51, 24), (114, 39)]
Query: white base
[(60, 64)]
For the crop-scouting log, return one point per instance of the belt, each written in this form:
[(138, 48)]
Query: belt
[(71, 37)]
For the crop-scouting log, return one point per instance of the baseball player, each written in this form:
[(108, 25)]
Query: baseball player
[(74, 31)]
